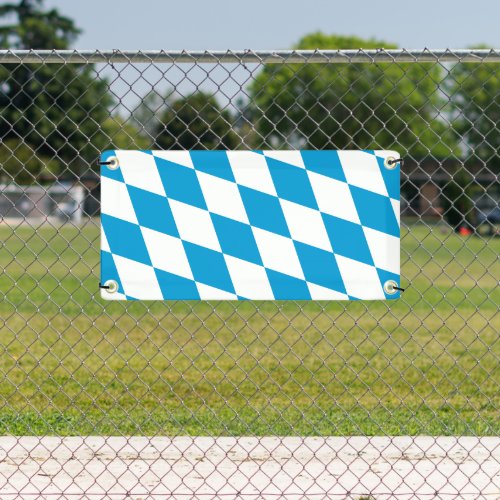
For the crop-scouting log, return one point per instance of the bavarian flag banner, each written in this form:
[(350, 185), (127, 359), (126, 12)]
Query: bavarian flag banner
[(262, 225)]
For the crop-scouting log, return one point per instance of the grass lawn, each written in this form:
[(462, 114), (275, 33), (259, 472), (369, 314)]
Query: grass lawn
[(71, 363)]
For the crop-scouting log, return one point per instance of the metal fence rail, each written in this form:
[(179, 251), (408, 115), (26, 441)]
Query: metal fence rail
[(249, 399), (250, 56)]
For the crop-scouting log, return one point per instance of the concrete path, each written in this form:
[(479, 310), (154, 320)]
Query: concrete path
[(247, 467)]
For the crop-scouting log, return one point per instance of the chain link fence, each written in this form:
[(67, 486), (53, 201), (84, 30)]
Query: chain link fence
[(249, 399)]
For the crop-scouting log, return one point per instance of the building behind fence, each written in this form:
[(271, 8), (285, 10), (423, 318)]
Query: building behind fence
[(37, 204)]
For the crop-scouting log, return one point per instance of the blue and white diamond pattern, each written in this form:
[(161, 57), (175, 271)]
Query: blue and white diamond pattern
[(263, 225)]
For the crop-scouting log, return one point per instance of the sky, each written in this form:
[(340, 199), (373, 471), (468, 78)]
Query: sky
[(261, 24), (277, 24)]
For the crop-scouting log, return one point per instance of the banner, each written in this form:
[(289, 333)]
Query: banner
[(260, 225)]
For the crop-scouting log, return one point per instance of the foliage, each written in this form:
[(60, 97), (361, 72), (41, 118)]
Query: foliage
[(124, 134), (145, 117), (195, 121), (54, 109), (475, 96), (456, 199), (351, 105), (21, 164)]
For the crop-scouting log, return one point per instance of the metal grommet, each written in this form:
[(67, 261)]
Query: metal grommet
[(111, 286), (390, 287), (112, 162), (390, 162)]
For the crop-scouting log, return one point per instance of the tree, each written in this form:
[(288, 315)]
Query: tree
[(351, 105), (195, 122), (56, 110), (456, 199), (475, 97), (23, 165), (124, 134), (146, 116)]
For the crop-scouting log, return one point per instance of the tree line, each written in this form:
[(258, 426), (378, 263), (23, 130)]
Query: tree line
[(55, 119)]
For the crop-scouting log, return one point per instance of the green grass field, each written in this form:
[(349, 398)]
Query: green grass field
[(71, 363)]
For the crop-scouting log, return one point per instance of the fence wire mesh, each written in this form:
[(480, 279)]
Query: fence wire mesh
[(249, 399)]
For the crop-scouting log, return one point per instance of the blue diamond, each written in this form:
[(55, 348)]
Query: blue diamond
[(347, 239), (175, 287), (325, 163), (208, 267), (125, 239), (375, 211), (320, 267), (153, 211), (236, 239), (180, 183), (292, 183), (264, 211), (287, 287), (214, 163)]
